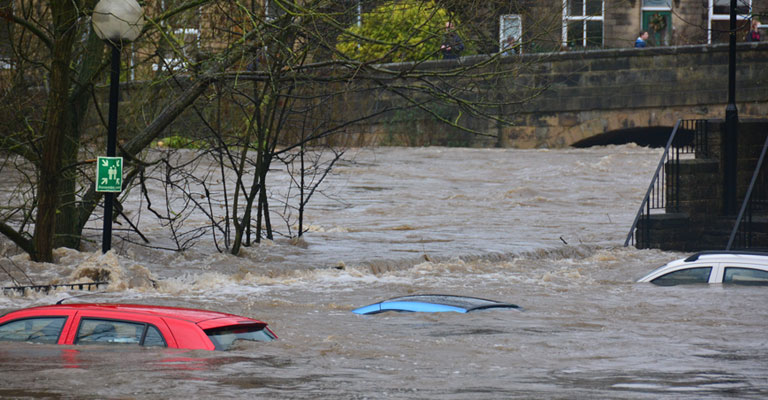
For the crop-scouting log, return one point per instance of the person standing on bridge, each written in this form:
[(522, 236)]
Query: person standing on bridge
[(510, 46), (641, 40), (452, 45), (754, 34)]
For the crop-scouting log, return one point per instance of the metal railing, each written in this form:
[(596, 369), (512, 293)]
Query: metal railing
[(755, 199), (47, 288), (687, 137)]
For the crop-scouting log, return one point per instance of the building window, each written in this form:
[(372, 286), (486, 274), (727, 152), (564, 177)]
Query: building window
[(723, 7), (657, 4), (720, 15), (510, 33), (657, 20), (583, 23)]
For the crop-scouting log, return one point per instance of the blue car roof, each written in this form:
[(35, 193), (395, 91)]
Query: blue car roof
[(433, 303)]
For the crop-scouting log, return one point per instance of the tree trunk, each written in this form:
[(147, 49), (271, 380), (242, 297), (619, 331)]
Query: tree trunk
[(68, 219), (65, 20)]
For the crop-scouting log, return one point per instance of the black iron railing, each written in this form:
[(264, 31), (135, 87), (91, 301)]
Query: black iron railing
[(47, 288), (687, 137), (755, 203)]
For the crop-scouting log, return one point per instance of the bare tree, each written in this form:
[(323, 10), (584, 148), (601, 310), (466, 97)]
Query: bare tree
[(54, 40), (246, 86)]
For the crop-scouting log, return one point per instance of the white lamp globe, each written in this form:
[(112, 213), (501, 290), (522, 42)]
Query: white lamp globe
[(118, 20)]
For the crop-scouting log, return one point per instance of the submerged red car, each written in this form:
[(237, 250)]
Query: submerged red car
[(131, 324)]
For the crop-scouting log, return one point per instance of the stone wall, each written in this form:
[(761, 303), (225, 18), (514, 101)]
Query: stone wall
[(623, 24), (574, 97), (585, 94)]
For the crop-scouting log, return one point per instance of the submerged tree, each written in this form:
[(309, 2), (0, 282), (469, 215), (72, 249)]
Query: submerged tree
[(53, 41), (249, 84)]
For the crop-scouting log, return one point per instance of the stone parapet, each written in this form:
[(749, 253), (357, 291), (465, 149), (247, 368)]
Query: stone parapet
[(580, 95)]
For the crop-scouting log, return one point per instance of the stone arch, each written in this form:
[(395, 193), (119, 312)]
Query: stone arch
[(652, 136)]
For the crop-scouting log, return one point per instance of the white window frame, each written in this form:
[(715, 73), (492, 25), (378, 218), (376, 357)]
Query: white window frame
[(723, 17), (132, 62), (657, 8), (584, 18), (170, 64), (194, 32), (505, 29), (359, 13), (188, 31)]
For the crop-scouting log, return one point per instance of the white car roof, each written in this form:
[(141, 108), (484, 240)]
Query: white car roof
[(719, 257), (752, 258)]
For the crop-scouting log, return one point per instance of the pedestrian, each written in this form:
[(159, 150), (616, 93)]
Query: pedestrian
[(641, 40), (754, 34), (452, 45), (510, 46)]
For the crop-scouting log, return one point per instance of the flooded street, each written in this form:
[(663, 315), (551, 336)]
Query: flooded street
[(543, 229)]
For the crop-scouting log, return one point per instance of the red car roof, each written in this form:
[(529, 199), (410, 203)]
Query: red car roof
[(188, 314)]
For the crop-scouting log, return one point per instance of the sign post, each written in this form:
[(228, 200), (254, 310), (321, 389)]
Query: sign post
[(109, 174), (109, 179)]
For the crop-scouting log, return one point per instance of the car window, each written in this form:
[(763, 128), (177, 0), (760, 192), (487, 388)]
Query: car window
[(745, 276), (154, 337), (223, 338), (100, 331), (684, 276), (38, 330)]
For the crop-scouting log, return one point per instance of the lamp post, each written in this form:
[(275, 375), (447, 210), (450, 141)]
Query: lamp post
[(731, 123), (116, 22)]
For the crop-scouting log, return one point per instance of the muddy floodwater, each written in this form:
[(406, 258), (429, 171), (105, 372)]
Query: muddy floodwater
[(543, 229)]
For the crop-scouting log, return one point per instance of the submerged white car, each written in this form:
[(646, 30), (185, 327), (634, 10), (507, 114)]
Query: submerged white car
[(745, 268)]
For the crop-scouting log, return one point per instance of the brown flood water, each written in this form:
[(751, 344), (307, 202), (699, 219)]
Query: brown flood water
[(540, 228)]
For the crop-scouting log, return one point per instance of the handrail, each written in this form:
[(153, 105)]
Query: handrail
[(646, 199), (748, 196)]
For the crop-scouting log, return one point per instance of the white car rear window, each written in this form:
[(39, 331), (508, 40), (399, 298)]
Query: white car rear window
[(223, 338), (745, 276)]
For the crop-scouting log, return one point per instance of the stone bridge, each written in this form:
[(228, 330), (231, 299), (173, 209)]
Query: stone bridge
[(611, 96)]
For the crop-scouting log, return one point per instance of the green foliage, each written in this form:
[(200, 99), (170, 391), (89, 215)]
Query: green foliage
[(409, 30)]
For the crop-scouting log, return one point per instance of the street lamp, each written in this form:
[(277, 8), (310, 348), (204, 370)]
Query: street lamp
[(731, 123), (117, 22)]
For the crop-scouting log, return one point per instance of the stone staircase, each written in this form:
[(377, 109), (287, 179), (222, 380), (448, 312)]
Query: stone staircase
[(693, 219)]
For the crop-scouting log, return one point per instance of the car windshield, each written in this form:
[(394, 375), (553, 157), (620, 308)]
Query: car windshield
[(223, 338)]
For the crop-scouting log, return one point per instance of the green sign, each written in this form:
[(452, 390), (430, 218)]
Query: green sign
[(109, 174)]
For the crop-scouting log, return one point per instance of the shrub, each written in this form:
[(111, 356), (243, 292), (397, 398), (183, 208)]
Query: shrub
[(409, 30)]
